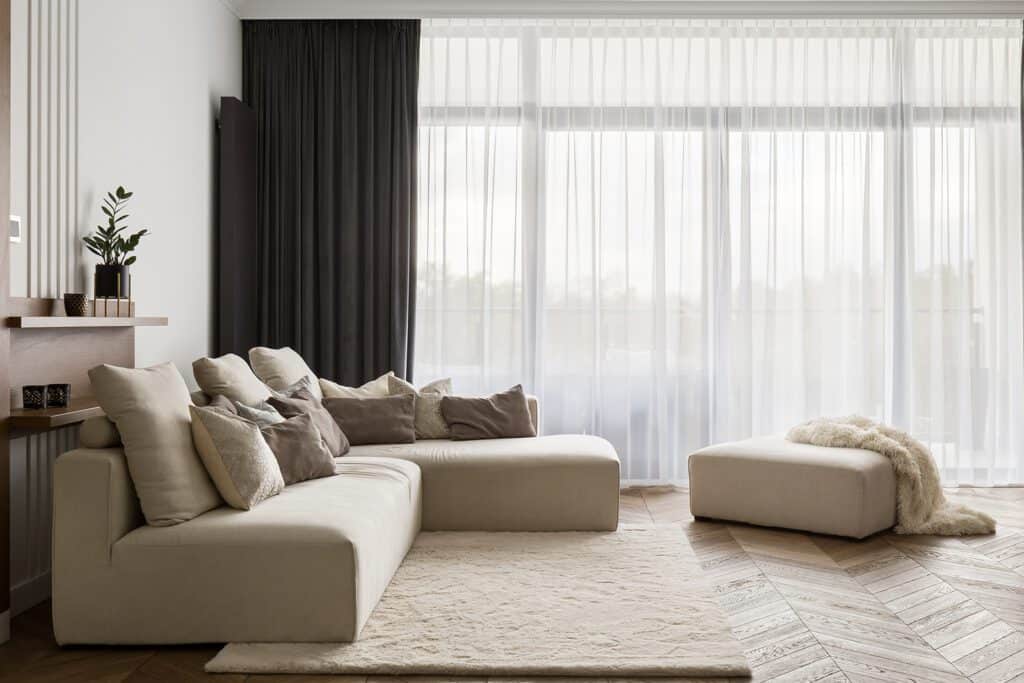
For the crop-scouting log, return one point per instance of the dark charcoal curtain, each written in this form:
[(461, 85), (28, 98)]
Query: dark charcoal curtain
[(336, 109)]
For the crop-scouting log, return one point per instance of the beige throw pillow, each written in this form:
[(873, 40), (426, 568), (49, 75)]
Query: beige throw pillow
[(281, 368), (236, 456), (375, 388), (229, 376), (150, 407), (430, 422)]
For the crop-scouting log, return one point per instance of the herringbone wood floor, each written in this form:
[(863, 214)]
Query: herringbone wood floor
[(805, 607)]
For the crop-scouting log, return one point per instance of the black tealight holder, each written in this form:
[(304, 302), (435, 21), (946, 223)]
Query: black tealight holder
[(57, 395), (33, 396)]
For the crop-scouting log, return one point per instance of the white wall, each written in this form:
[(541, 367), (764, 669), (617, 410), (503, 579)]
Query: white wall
[(151, 75)]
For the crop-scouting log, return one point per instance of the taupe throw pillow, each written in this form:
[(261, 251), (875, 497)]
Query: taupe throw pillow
[(299, 449), (230, 376), (390, 419), (236, 456), (150, 407), (499, 416), (303, 402), (430, 422)]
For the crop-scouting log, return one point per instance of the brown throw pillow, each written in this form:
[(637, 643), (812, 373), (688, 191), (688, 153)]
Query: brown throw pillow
[(390, 419), (299, 449), (499, 416), (302, 402)]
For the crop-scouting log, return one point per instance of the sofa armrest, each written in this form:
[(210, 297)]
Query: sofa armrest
[(94, 505), (534, 405)]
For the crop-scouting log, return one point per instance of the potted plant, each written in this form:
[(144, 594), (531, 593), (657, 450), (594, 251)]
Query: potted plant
[(113, 247)]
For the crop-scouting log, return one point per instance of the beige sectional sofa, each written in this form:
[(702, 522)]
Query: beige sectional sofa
[(311, 563)]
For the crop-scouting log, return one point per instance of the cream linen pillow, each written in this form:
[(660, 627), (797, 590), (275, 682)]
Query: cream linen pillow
[(236, 456), (430, 422), (231, 377), (375, 388), (281, 368), (150, 407)]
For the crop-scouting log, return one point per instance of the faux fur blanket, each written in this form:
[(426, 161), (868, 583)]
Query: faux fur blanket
[(921, 507)]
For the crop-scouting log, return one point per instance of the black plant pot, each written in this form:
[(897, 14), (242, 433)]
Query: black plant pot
[(106, 280)]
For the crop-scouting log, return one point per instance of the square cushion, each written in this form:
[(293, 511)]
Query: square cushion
[(280, 368), (236, 456), (303, 402), (771, 481), (430, 422), (299, 449), (231, 377), (150, 407)]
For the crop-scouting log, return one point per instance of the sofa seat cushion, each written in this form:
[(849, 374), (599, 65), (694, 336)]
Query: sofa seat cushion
[(547, 483), (774, 482), (308, 564)]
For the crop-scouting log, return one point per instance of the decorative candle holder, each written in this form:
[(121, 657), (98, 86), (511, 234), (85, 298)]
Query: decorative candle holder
[(57, 395), (33, 396), (74, 304)]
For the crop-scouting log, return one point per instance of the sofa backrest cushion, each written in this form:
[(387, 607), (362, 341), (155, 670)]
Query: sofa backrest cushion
[(281, 368), (231, 377), (150, 407)]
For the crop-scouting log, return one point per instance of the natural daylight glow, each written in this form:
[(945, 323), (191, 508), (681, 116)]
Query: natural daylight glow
[(679, 233)]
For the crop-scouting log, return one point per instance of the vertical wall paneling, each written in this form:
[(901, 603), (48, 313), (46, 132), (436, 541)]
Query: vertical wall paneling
[(52, 250), (32, 459), (48, 96)]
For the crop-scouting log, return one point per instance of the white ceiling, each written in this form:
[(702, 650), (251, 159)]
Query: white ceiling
[(383, 9)]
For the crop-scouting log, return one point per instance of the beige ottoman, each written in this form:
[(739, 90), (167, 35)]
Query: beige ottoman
[(774, 482)]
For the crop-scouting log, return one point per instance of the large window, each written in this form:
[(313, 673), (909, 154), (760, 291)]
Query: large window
[(683, 232)]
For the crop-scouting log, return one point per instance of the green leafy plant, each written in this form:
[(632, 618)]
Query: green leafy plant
[(108, 242)]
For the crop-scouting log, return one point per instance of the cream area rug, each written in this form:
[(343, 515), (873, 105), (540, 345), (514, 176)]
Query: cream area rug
[(629, 603), (921, 506)]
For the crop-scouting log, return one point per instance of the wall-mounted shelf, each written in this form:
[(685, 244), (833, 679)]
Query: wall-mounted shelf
[(78, 410), (57, 321)]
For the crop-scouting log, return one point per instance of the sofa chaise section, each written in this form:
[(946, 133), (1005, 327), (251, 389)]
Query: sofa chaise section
[(307, 565), (546, 483)]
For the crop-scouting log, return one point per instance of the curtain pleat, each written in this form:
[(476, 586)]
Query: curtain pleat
[(681, 232), (337, 129)]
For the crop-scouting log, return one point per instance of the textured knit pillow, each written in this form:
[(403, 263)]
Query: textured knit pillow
[(430, 422), (280, 368), (299, 449), (150, 407), (229, 376), (302, 403), (498, 416), (236, 456), (389, 419), (375, 388)]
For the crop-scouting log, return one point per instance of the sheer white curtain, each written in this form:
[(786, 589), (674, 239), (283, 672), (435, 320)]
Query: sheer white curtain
[(684, 232)]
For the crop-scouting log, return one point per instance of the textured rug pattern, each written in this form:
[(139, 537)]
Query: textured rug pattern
[(630, 603)]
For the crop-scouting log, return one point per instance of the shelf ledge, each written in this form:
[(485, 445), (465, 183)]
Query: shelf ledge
[(55, 321), (78, 410)]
